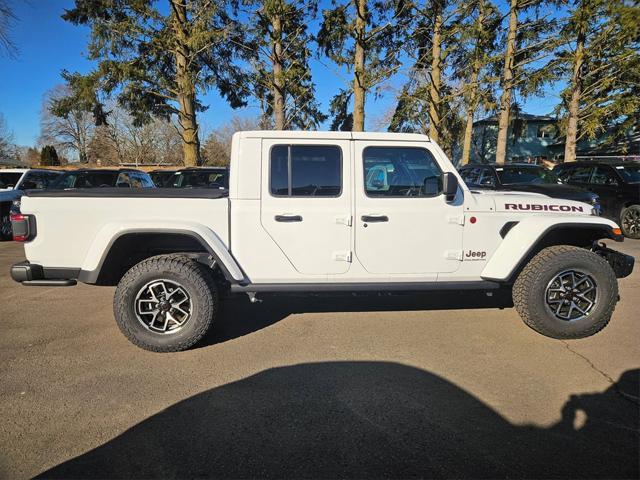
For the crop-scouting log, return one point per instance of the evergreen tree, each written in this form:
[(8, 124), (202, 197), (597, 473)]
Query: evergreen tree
[(363, 37), (49, 157), (529, 41), (600, 58), (158, 63), (428, 100), (277, 46), (472, 58)]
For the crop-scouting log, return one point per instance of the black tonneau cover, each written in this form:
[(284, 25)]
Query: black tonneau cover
[(132, 193)]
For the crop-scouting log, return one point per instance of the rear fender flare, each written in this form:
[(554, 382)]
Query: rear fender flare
[(107, 236)]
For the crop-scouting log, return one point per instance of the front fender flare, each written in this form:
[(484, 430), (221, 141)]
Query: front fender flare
[(523, 238)]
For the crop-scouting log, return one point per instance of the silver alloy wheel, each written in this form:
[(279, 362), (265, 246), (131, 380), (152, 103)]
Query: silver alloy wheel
[(631, 221), (163, 306), (571, 295)]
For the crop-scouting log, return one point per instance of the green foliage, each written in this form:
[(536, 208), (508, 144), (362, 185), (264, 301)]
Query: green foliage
[(608, 81), (49, 157), (536, 41), (135, 45), (277, 47), (474, 53), (381, 42)]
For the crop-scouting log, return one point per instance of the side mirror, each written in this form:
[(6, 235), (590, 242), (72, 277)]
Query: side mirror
[(449, 186)]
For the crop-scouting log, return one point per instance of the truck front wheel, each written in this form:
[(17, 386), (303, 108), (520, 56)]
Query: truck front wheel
[(165, 303), (566, 292)]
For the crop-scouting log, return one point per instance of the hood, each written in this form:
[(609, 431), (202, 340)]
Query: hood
[(556, 190), (8, 195), (521, 202)]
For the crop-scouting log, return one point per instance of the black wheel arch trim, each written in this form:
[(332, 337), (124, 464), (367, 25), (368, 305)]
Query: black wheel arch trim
[(92, 276)]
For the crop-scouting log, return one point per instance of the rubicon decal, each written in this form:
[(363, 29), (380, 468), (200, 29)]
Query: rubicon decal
[(543, 208)]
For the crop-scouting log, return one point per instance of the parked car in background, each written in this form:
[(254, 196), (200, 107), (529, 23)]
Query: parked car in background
[(616, 182), (199, 177), (524, 178), (97, 178), (13, 183), (161, 177)]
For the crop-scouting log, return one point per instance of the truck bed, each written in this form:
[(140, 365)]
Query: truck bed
[(132, 193)]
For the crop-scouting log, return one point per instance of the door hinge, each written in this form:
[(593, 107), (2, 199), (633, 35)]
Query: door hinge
[(453, 254), (342, 256), (455, 219), (344, 220)]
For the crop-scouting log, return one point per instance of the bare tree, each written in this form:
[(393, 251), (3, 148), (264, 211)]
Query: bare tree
[(217, 147), (122, 140), (7, 17), (6, 140), (70, 131)]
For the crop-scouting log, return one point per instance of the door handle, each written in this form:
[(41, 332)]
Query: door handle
[(288, 218), (374, 218)]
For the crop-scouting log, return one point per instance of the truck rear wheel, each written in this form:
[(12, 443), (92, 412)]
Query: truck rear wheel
[(165, 303), (566, 292)]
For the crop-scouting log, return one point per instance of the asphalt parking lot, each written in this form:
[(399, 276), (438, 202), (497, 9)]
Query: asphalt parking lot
[(428, 386)]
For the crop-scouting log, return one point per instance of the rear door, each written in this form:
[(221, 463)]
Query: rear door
[(306, 202)]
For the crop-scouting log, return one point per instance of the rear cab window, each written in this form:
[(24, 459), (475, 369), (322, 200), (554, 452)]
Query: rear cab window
[(305, 171)]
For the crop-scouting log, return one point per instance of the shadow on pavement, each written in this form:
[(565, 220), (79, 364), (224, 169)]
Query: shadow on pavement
[(239, 317), (362, 420)]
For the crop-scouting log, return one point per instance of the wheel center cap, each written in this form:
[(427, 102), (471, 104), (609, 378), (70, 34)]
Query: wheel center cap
[(165, 306)]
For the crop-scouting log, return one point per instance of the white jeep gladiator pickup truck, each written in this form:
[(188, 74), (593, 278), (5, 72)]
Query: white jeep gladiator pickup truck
[(321, 212)]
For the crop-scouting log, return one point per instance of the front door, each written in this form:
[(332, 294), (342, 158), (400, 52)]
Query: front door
[(403, 225), (306, 203)]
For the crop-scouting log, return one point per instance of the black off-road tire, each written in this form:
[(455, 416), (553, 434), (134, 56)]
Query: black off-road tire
[(629, 225), (194, 277), (529, 292)]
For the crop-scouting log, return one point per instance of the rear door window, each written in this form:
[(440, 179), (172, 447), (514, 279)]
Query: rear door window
[(603, 176), (306, 171), (576, 174)]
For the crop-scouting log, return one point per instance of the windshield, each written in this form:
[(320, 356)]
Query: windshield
[(515, 175), (9, 179), (199, 179), (630, 173), (86, 180)]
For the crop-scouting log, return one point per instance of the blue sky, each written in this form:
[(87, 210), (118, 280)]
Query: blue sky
[(47, 45)]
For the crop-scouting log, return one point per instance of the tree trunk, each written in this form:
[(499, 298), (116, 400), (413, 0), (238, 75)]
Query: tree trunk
[(574, 103), (436, 74), (466, 143), (278, 81), (359, 87), (507, 86), (472, 93), (186, 88)]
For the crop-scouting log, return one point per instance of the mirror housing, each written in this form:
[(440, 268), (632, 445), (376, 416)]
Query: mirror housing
[(449, 186)]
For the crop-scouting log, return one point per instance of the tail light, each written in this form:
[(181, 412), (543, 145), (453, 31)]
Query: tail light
[(23, 227)]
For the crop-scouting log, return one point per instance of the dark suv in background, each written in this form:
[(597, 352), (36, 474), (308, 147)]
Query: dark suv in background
[(523, 178), (199, 177), (103, 178), (617, 183)]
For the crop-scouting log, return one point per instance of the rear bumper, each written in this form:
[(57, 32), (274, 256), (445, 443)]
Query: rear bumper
[(31, 274)]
